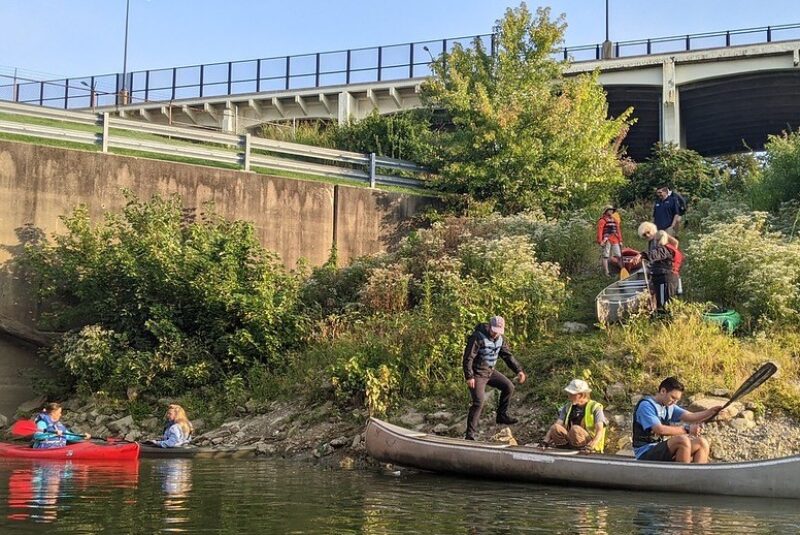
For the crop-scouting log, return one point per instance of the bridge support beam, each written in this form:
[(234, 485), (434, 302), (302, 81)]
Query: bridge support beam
[(670, 106), (348, 107), (229, 119)]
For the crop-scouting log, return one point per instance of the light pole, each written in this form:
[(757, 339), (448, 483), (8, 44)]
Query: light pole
[(123, 94), (92, 92), (608, 47)]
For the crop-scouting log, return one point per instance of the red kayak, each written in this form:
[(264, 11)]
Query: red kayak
[(79, 451)]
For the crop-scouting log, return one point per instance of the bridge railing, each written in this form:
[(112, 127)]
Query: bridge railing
[(106, 132), (326, 69)]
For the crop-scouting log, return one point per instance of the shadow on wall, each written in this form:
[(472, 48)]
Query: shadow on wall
[(16, 288), (401, 215)]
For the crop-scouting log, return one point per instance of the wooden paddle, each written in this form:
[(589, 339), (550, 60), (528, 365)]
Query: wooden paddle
[(27, 428), (754, 381)]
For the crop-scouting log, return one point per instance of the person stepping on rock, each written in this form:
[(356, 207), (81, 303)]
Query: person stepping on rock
[(485, 346)]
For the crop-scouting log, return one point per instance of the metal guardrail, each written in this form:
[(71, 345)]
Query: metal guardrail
[(242, 150), (324, 69)]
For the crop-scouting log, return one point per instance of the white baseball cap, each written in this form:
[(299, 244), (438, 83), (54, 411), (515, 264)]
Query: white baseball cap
[(578, 386)]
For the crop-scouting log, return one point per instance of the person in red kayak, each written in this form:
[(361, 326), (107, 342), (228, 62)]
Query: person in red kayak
[(178, 430), (50, 432)]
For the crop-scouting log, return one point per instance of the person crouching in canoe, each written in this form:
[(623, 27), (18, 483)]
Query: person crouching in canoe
[(484, 347), (50, 432), (581, 422), (178, 430), (656, 437)]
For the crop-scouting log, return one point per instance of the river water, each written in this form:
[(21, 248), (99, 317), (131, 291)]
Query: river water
[(269, 496)]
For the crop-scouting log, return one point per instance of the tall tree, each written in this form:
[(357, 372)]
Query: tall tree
[(524, 135)]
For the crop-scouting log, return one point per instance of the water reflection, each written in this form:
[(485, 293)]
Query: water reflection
[(426, 503), (176, 482), (35, 487), (270, 496)]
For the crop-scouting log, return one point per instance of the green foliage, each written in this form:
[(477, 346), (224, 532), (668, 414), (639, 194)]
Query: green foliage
[(781, 177), (705, 358), (743, 265), (683, 170), (524, 136), (404, 135), (317, 133), (738, 172), (421, 303), (161, 302)]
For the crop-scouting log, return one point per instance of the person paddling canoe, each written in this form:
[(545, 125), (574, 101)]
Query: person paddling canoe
[(484, 347), (656, 437), (50, 432)]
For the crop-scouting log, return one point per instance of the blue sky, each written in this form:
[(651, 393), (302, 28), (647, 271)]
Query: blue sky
[(53, 38)]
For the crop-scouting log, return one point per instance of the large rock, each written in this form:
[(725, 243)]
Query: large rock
[(152, 424), (616, 391), (441, 429), (412, 418), (199, 424), (122, 426), (742, 424), (439, 416), (339, 442), (27, 407), (704, 403), (133, 435), (573, 327)]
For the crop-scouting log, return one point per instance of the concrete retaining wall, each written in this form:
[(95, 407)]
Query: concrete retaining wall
[(295, 218)]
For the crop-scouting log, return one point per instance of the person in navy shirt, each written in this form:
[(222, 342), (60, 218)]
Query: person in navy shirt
[(666, 211), (663, 431)]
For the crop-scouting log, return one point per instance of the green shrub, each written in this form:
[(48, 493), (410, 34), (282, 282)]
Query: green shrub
[(405, 135), (740, 264), (683, 170), (458, 273), (160, 302), (317, 133), (781, 177)]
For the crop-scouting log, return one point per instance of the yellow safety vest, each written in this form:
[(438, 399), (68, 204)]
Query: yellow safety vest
[(588, 422)]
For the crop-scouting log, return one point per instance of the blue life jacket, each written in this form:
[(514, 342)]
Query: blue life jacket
[(52, 441), (642, 436), (488, 349)]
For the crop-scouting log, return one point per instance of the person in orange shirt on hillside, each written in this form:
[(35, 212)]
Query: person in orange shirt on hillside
[(609, 236)]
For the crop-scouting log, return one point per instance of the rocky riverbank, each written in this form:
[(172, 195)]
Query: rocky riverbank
[(326, 434)]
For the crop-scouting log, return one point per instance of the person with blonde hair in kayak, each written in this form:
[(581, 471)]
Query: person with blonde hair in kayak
[(51, 432), (581, 421), (178, 429)]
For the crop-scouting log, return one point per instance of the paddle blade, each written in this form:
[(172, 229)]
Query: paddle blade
[(623, 274), (23, 428), (754, 381)]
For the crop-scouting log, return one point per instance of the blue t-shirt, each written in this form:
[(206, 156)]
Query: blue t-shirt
[(664, 211), (650, 414)]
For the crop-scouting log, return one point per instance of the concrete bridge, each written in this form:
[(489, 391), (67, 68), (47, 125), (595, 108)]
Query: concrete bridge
[(729, 94)]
